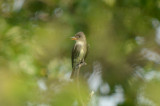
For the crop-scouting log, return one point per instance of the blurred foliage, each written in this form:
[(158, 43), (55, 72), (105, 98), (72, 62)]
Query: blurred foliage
[(35, 49)]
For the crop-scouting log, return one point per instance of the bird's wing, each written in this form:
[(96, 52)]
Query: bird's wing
[(75, 52)]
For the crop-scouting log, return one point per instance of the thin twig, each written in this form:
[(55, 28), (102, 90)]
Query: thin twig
[(78, 84)]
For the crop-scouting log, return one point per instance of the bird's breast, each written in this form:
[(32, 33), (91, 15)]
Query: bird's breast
[(81, 53)]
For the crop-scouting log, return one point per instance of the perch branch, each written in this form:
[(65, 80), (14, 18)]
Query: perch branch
[(78, 84)]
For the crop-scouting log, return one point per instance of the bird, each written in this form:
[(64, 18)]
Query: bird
[(79, 52)]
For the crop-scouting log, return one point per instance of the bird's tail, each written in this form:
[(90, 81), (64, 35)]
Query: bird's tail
[(72, 74)]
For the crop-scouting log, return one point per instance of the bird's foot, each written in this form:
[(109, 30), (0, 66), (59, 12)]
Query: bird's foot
[(82, 64)]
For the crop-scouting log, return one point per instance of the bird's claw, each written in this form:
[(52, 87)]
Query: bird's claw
[(81, 64), (84, 63)]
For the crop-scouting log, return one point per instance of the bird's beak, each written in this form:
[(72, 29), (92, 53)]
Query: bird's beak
[(73, 38)]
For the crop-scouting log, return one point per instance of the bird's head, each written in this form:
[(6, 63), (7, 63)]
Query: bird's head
[(80, 37)]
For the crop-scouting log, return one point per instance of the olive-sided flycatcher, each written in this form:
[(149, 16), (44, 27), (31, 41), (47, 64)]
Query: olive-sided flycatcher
[(79, 52)]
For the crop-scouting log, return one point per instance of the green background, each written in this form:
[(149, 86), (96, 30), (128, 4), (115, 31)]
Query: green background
[(123, 64)]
